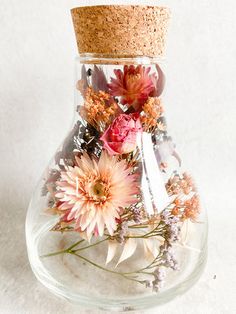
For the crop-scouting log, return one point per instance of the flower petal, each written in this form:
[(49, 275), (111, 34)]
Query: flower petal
[(129, 249), (112, 246)]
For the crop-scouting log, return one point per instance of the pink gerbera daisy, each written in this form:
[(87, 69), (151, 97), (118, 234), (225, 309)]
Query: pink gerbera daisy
[(133, 85), (95, 191)]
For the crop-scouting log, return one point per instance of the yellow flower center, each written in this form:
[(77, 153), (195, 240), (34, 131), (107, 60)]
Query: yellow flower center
[(98, 191), (133, 78)]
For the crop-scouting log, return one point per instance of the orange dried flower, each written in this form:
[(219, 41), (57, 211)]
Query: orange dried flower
[(99, 109), (152, 111), (175, 211), (191, 208), (177, 185), (187, 184), (186, 208)]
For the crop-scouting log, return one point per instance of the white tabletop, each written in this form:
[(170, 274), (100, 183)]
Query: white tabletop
[(37, 49)]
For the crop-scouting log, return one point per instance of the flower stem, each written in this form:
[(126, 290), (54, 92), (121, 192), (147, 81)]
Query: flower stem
[(62, 251), (149, 266), (138, 226), (125, 275), (74, 245), (69, 249), (91, 245), (54, 253)]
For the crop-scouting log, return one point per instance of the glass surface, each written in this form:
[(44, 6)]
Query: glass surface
[(115, 222)]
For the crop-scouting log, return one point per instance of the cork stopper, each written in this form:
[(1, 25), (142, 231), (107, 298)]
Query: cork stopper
[(121, 30)]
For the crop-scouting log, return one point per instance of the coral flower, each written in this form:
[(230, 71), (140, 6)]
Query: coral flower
[(96, 192), (133, 85)]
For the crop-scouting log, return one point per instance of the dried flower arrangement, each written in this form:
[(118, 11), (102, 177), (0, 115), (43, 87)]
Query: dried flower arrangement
[(96, 188)]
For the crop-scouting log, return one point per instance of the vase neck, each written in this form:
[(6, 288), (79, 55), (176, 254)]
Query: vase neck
[(92, 58)]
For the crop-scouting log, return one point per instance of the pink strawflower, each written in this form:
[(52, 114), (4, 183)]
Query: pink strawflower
[(96, 192), (133, 85), (121, 136)]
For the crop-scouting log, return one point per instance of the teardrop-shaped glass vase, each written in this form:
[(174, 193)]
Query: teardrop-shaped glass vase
[(115, 222)]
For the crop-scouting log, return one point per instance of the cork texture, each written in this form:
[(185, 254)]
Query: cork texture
[(120, 30)]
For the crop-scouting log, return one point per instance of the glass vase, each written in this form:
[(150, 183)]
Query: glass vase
[(115, 222)]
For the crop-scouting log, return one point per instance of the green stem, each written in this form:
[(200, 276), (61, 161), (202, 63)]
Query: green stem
[(126, 275), (62, 251), (54, 253), (144, 268), (69, 249), (149, 233), (74, 245), (91, 245), (138, 226), (103, 268), (154, 235), (145, 272), (145, 236)]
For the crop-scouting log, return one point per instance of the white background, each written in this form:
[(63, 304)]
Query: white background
[(37, 50)]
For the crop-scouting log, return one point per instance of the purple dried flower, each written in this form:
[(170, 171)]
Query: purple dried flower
[(137, 215), (168, 258), (172, 228), (168, 218), (165, 216), (159, 82), (122, 232), (173, 233), (147, 283), (99, 81), (159, 276), (157, 285)]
